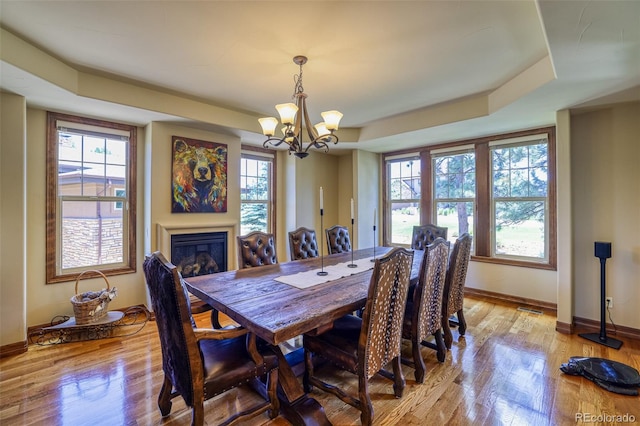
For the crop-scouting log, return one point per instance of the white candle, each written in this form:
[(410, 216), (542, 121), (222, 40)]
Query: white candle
[(352, 216), (321, 199), (374, 217)]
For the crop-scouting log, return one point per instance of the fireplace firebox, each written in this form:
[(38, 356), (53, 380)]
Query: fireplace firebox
[(199, 254)]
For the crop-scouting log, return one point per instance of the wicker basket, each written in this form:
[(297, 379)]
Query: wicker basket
[(89, 307)]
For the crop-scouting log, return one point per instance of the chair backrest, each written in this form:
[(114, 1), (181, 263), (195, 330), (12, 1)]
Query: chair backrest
[(181, 359), (338, 240), (303, 243), (381, 332), (424, 235), (427, 296), (457, 274), (256, 249)]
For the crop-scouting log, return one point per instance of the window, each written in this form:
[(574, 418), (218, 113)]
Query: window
[(454, 192), (256, 191), (403, 194), (91, 205), (501, 189), (519, 200)]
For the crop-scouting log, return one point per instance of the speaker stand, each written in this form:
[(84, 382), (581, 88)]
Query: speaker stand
[(601, 338)]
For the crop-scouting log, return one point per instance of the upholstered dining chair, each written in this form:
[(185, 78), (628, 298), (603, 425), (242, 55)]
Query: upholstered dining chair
[(199, 364), (256, 249), (303, 243), (338, 240), (364, 346), (423, 314), (424, 235), (453, 296)]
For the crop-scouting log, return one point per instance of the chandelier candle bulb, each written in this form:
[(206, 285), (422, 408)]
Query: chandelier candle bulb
[(352, 216), (374, 218), (321, 199)]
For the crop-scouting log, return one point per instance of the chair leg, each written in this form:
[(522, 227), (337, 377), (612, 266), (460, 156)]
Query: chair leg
[(272, 391), (462, 327), (308, 371), (441, 349), (446, 332), (418, 362), (398, 377), (366, 407), (197, 413), (164, 399)]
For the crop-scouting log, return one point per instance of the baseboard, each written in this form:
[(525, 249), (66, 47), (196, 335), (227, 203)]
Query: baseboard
[(564, 328), (585, 324), (13, 349), (539, 304)]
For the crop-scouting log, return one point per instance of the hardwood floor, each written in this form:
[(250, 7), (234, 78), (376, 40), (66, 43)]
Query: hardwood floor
[(504, 371)]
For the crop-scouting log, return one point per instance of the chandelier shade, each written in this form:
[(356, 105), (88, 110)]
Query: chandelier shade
[(295, 119)]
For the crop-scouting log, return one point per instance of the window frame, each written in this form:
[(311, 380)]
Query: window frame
[(483, 203), (261, 154), (53, 221), (388, 201)]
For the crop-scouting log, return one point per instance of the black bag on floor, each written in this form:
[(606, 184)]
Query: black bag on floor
[(612, 375)]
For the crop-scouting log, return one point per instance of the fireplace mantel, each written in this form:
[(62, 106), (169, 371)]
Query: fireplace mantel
[(166, 230)]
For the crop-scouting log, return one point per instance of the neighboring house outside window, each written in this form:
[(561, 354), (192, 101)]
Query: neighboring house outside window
[(256, 191), (501, 189), (90, 213)]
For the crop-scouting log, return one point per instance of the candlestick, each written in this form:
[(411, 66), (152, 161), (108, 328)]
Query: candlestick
[(374, 236), (322, 272), (352, 265)]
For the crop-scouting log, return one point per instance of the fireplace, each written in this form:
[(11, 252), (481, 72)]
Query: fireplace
[(199, 253)]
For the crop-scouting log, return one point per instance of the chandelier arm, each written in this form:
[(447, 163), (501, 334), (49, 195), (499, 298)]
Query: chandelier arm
[(272, 141)]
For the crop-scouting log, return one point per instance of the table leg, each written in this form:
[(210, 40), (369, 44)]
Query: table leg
[(295, 405)]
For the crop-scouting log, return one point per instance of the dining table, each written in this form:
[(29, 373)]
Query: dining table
[(283, 301)]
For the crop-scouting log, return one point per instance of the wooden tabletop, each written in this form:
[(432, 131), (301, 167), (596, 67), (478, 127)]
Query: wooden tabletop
[(277, 312)]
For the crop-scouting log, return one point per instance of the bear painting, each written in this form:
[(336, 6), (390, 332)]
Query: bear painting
[(199, 176)]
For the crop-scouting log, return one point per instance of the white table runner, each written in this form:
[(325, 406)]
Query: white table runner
[(310, 278)]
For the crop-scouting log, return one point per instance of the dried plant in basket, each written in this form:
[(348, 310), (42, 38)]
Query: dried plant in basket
[(89, 307)]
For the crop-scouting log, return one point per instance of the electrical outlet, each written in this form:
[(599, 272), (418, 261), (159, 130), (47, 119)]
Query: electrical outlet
[(609, 301)]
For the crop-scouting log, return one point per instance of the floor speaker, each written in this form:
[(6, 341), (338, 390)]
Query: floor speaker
[(602, 251)]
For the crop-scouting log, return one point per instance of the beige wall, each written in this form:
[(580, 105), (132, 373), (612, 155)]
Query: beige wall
[(605, 166), (13, 224), (605, 203), (43, 302)]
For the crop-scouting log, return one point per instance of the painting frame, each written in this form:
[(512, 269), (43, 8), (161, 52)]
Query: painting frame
[(198, 176)]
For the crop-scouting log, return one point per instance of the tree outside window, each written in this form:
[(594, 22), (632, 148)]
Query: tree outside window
[(255, 193), (454, 180), (520, 179)]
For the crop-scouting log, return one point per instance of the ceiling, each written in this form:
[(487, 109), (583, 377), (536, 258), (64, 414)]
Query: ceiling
[(404, 73)]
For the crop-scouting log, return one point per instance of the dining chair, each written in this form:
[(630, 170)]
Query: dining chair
[(338, 240), (256, 249), (423, 314), (424, 235), (199, 363), (453, 296), (303, 243), (364, 346)]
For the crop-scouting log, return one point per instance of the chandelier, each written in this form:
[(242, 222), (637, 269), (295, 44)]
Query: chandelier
[(292, 116)]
